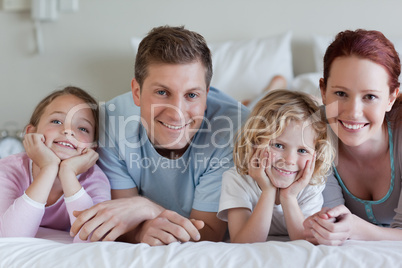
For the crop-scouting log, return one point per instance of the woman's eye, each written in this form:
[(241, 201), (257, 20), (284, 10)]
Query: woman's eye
[(340, 94), (371, 97), (58, 122)]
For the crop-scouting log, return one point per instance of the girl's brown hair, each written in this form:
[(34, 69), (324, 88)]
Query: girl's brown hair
[(70, 90)]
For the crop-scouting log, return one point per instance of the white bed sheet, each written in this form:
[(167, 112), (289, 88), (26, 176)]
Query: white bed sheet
[(54, 249)]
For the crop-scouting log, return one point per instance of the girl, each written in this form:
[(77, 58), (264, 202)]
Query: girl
[(360, 92), (281, 156), (57, 174)]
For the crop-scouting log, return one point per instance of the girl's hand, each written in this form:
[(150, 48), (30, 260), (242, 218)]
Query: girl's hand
[(297, 186), (81, 163), (36, 149), (257, 168)]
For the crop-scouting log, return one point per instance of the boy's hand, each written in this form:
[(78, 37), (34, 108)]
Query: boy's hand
[(257, 168), (297, 186)]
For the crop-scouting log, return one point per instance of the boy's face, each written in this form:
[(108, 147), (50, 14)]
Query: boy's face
[(289, 154), (173, 101)]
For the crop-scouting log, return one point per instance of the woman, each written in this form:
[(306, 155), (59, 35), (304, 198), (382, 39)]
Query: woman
[(360, 92)]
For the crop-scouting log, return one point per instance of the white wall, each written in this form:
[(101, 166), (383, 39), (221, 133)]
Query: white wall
[(91, 48)]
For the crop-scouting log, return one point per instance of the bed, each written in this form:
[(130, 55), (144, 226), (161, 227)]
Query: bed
[(242, 69), (53, 248)]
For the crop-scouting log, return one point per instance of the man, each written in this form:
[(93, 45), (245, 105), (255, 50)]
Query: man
[(165, 148)]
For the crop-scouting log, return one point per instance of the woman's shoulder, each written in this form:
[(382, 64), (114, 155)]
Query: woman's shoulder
[(395, 115)]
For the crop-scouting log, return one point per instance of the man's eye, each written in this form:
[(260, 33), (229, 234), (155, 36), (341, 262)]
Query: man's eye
[(192, 95), (161, 92)]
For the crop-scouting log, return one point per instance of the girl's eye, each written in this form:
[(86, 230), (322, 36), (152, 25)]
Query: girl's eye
[(340, 94), (58, 122), (83, 129)]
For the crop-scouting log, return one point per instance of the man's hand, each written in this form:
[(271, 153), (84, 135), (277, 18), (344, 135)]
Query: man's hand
[(110, 219), (169, 227)]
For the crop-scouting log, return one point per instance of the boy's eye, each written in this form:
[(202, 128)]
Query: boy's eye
[(58, 122), (302, 151), (278, 145)]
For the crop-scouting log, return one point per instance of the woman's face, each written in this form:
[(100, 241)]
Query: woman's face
[(356, 99)]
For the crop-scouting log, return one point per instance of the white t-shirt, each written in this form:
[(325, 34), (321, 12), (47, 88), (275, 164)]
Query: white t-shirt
[(243, 191)]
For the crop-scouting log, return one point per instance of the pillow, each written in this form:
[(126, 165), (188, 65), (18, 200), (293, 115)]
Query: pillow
[(244, 68), (320, 45), (308, 83)]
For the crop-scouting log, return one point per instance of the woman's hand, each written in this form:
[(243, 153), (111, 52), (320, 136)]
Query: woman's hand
[(36, 149), (329, 226), (257, 168)]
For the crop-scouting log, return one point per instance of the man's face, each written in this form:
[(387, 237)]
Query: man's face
[(173, 102)]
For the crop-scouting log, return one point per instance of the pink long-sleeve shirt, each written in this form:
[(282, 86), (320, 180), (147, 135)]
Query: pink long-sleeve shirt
[(20, 216)]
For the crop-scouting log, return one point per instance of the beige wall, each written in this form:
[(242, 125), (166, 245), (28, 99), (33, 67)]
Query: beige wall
[(91, 48)]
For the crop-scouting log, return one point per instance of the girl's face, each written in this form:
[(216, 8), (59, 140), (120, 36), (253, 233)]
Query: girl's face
[(356, 99), (289, 153), (67, 125)]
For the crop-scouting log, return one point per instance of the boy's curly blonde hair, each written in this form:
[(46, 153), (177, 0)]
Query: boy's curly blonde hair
[(267, 121)]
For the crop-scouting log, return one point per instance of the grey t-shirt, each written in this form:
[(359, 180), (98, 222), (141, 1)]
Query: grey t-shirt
[(386, 211)]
